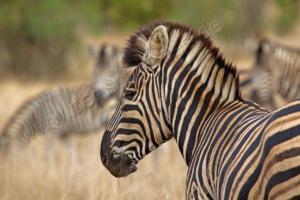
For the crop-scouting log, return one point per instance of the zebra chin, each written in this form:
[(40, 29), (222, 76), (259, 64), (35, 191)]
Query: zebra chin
[(118, 164)]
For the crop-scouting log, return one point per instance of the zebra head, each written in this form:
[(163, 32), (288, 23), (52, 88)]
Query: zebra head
[(106, 71), (261, 73), (264, 49), (138, 125)]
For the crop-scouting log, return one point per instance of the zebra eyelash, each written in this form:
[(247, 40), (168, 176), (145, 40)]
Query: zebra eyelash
[(130, 94)]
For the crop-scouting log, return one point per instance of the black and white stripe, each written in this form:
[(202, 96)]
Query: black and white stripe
[(182, 87)]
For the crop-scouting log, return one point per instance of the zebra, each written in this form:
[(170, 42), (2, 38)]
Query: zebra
[(106, 61), (182, 87), (275, 75), (66, 110)]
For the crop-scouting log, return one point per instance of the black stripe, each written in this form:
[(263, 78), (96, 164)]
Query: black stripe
[(246, 82), (130, 107), (168, 64), (149, 125)]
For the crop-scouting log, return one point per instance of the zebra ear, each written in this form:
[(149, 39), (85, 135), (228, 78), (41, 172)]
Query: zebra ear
[(158, 45), (266, 46)]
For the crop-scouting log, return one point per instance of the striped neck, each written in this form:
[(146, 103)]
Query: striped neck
[(195, 81)]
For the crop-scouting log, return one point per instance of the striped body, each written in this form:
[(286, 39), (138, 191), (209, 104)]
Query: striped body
[(246, 153), (183, 88), (275, 76), (57, 112)]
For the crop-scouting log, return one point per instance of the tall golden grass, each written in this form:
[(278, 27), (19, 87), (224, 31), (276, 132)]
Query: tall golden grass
[(29, 174)]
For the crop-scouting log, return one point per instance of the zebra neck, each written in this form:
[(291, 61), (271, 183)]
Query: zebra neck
[(194, 98)]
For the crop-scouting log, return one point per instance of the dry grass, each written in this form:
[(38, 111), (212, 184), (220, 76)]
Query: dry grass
[(27, 174)]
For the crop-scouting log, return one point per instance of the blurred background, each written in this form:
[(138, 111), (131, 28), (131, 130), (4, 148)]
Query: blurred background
[(43, 44), (47, 39)]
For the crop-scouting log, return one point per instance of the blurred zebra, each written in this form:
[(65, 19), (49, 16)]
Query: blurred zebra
[(56, 112), (106, 72), (275, 75), (182, 87), (69, 109)]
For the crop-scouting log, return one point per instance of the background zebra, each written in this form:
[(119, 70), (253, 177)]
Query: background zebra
[(274, 78), (182, 87), (69, 109)]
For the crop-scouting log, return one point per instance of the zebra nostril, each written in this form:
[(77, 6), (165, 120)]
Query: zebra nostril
[(128, 161), (114, 155)]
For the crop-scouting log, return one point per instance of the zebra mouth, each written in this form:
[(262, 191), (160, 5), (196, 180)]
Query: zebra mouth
[(118, 164), (125, 165)]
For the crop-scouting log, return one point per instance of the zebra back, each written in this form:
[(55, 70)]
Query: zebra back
[(57, 111)]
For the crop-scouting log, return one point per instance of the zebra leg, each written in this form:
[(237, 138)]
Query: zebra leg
[(72, 153), (50, 134)]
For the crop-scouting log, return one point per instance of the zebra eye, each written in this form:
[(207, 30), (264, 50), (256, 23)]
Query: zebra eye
[(129, 94)]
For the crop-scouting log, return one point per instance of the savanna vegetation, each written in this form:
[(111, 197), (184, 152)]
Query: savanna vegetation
[(37, 38)]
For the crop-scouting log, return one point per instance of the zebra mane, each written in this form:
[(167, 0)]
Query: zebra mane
[(275, 45), (136, 47)]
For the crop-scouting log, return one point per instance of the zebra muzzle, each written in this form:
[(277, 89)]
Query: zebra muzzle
[(118, 164)]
